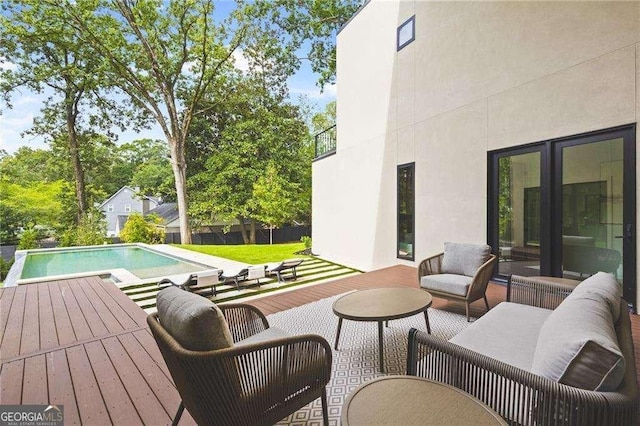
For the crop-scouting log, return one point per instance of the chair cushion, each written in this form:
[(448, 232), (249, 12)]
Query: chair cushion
[(607, 286), (268, 334), (578, 346), (194, 321), (508, 333), (464, 259), (447, 283)]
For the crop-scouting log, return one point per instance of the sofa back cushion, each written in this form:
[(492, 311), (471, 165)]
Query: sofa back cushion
[(464, 259), (194, 321), (607, 286), (578, 346)]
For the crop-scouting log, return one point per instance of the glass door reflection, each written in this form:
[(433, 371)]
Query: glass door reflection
[(592, 209), (519, 214)]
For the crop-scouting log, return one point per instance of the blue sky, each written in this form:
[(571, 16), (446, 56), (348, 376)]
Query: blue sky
[(27, 105)]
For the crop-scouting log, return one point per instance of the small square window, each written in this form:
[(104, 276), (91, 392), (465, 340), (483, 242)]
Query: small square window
[(406, 32), (110, 208), (127, 208)]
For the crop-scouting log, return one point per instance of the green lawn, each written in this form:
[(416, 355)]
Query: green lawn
[(253, 254)]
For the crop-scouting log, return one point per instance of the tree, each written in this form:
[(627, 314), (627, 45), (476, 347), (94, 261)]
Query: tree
[(166, 56), (309, 20), (47, 53), (260, 129), (274, 199), (163, 57)]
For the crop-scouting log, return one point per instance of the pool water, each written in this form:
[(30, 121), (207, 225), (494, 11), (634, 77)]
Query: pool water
[(139, 261)]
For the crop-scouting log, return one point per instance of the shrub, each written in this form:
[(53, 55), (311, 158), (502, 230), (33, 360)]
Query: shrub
[(306, 240), (29, 239), (91, 230), (4, 268), (142, 229)]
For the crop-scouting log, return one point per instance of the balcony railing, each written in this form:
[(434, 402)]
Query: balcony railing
[(326, 142)]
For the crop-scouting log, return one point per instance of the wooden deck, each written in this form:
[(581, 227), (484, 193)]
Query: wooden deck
[(84, 344)]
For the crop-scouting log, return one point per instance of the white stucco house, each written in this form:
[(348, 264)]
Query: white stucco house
[(507, 123), (123, 203)]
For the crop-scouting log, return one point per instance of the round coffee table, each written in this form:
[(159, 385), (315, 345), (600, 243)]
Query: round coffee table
[(409, 400), (380, 305)]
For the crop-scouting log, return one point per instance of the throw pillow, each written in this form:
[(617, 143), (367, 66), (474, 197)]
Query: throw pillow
[(464, 259), (578, 346)]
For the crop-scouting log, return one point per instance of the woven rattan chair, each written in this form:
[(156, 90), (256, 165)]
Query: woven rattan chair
[(468, 290), (263, 377)]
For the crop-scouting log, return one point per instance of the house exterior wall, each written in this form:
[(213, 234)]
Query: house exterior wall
[(479, 76), (125, 196)]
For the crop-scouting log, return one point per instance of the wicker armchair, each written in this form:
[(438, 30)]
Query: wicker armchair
[(519, 396), (259, 381), (477, 289)]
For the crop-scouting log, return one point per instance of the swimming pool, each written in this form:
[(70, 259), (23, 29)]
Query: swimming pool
[(135, 261)]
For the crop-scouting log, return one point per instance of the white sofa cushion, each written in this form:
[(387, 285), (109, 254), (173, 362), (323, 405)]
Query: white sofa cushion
[(607, 286), (464, 259), (448, 283), (578, 346), (507, 333)]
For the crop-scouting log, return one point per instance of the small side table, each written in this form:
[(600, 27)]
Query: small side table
[(409, 400)]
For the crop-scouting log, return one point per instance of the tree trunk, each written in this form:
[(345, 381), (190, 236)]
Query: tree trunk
[(74, 153), (179, 166), (243, 230), (252, 236)]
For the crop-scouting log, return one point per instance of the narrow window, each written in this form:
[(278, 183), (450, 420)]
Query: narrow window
[(110, 207), (406, 211), (406, 32), (127, 208)]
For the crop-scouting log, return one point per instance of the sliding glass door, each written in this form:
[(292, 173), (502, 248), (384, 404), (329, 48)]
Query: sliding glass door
[(566, 207)]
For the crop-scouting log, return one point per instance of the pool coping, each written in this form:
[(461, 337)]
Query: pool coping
[(120, 276)]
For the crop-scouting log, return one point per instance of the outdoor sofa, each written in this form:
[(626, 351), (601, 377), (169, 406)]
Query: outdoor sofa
[(570, 364)]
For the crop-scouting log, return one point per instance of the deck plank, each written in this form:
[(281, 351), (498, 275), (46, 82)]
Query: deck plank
[(149, 408), (121, 409), (11, 374), (64, 328), (101, 310), (162, 386), (137, 314), (95, 322), (34, 386), (91, 406), (78, 321), (5, 308), (48, 332), (61, 386), (10, 345), (121, 315), (146, 340), (30, 341)]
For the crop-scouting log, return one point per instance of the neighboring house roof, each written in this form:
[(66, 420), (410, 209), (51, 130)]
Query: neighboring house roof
[(133, 191), (167, 211)]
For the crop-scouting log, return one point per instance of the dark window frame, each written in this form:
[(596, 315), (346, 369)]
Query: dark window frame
[(412, 168), (413, 33), (551, 194)]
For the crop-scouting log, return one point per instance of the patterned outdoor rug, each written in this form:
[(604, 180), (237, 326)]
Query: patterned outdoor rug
[(357, 360)]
